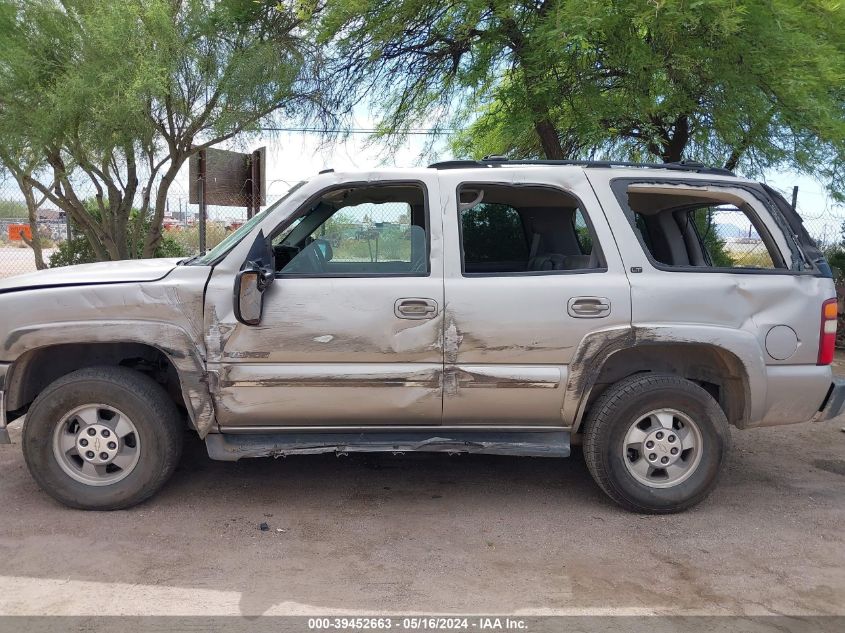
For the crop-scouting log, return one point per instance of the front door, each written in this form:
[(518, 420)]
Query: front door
[(531, 270), (350, 335)]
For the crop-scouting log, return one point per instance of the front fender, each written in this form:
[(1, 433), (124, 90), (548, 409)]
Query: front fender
[(172, 340)]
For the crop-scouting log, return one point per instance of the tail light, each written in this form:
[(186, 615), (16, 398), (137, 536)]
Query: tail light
[(827, 334)]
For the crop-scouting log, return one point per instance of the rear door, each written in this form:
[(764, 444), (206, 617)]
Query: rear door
[(531, 269)]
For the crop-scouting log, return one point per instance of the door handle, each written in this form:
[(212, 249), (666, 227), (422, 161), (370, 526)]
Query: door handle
[(588, 307), (415, 308)]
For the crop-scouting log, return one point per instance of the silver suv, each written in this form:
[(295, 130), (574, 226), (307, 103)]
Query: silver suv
[(495, 306)]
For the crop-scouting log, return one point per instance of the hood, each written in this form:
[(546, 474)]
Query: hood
[(131, 270)]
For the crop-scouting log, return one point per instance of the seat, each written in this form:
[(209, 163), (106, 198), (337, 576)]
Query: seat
[(419, 251)]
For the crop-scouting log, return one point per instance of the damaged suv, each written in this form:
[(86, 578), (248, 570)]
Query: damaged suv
[(494, 306)]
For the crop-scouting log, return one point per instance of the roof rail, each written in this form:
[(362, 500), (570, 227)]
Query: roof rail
[(498, 161)]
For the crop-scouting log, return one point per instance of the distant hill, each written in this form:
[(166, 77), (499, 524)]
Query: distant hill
[(727, 231)]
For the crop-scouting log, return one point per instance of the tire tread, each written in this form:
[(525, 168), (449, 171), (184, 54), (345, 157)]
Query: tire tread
[(160, 408), (599, 420)]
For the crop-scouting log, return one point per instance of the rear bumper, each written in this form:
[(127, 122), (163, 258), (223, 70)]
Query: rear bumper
[(834, 405)]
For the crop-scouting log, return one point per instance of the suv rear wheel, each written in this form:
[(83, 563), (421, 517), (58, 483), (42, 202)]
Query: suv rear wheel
[(656, 443), (102, 438)]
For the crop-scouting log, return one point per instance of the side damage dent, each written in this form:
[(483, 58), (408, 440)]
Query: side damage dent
[(595, 350), (586, 367), (170, 339), (232, 447)]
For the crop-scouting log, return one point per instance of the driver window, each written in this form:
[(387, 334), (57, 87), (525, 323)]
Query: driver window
[(358, 231)]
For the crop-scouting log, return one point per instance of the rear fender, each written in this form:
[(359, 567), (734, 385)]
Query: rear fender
[(597, 348)]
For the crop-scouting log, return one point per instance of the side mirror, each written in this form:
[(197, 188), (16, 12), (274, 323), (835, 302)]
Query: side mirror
[(249, 297), (255, 276)]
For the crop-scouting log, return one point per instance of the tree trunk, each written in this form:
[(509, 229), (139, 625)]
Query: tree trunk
[(94, 234), (549, 139), (154, 234), (546, 131), (121, 222), (35, 244), (733, 159), (32, 213), (674, 146)]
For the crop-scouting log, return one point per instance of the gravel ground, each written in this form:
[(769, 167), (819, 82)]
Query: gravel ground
[(17, 261), (433, 533)]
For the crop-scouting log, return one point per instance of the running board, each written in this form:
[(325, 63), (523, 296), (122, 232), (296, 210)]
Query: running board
[(230, 447)]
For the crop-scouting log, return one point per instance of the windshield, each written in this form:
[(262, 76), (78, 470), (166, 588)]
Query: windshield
[(234, 238)]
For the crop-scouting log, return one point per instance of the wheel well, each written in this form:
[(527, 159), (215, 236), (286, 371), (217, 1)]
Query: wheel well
[(714, 369), (36, 369)]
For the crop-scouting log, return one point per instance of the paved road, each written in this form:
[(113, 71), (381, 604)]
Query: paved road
[(432, 533)]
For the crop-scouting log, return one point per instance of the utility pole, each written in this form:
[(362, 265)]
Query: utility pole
[(202, 214)]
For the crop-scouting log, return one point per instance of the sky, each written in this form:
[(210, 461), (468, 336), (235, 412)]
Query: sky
[(296, 156)]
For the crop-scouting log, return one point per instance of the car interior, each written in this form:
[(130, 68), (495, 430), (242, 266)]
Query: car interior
[(701, 230), (524, 229), (366, 230)]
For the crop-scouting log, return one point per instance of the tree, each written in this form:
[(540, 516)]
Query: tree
[(112, 97), (708, 229), (750, 84), (20, 165), (77, 250), (493, 232)]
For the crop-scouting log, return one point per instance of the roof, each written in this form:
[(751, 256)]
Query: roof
[(502, 161)]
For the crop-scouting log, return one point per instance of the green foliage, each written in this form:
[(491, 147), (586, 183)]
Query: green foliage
[(715, 245), (582, 232), (585, 239), (493, 232), (13, 209), (78, 250), (188, 237), (112, 97), (752, 84), (835, 256), (357, 239)]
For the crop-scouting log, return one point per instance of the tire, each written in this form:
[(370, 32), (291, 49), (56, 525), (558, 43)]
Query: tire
[(627, 471), (144, 459)]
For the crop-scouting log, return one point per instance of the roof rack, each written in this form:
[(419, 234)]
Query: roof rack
[(499, 161)]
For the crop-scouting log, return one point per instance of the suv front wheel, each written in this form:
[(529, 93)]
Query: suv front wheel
[(102, 438), (656, 443)]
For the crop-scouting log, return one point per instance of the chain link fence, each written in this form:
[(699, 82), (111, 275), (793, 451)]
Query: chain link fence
[(368, 233), (62, 244)]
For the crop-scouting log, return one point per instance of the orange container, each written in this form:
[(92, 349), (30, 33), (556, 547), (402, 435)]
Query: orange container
[(19, 231)]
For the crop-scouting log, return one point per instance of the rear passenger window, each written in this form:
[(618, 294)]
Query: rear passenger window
[(701, 229), (493, 233), (519, 229)]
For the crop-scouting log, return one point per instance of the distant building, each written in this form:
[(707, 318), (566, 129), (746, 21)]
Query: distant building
[(51, 215)]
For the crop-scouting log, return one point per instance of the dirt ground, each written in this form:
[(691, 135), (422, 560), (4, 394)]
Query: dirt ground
[(433, 533), (17, 261)]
